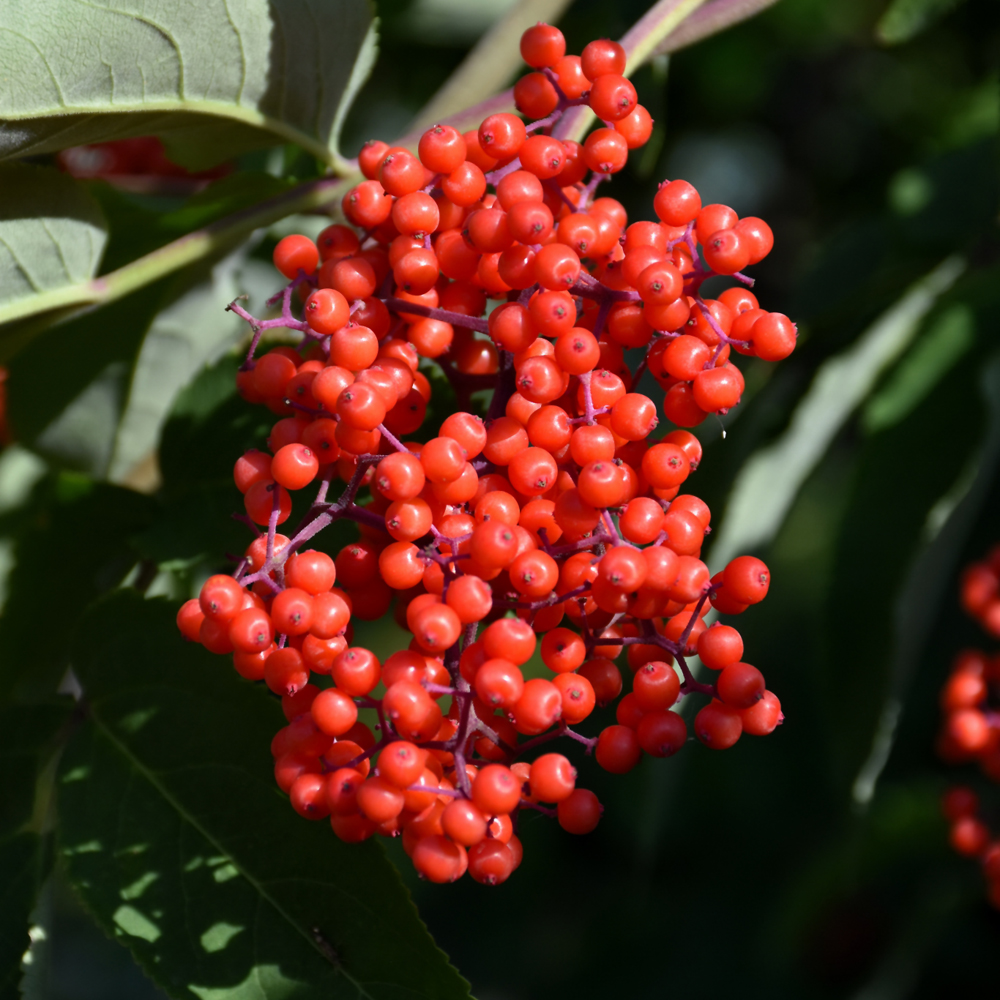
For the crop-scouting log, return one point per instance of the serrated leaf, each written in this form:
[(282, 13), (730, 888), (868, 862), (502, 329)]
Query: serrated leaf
[(52, 232), (769, 482), (905, 19), (173, 833), (213, 78)]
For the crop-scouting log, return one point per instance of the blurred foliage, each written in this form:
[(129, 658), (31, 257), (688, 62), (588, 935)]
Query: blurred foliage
[(810, 864)]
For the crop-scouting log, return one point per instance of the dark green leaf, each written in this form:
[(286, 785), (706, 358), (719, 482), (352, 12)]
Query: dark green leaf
[(214, 79), (26, 738), (768, 483), (927, 451), (948, 337), (176, 838), (70, 412), (72, 549)]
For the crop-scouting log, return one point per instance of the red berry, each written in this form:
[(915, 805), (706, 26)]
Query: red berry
[(294, 254), (580, 812), (542, 45)]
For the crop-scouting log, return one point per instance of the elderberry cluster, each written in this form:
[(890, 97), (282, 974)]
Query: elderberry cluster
[(556, 523), (970, 731)]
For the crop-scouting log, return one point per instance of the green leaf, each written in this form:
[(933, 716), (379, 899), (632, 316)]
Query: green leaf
[(949, 336), (905, 19), (52, 232), (173, 833), (213, 79), (769, 482), (24, 318), (930, 451), (69, 412), (103, 414), (72, 549), (186, 336), (26, 737)]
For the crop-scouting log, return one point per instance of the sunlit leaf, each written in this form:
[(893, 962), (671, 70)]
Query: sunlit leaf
[(213, 79), (52, 232)]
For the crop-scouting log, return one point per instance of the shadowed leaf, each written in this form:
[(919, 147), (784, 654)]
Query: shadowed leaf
[(178, 841)]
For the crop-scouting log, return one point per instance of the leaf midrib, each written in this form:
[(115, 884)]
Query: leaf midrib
[(151, 777)]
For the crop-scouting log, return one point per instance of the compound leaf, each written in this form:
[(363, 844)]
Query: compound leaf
[(173, 833)]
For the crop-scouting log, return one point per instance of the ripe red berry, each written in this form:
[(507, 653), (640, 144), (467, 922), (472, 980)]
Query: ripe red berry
[(294, 254), (746, 579), (618, 749), (542, 45), (718, 726), (611, 97), (580, 812), (740, 685)]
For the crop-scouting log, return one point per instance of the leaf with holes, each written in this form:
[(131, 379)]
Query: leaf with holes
[(172, 831)]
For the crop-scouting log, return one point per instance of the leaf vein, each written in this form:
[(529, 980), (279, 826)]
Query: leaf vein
[(243, 54), (152, 778), (149, 22), (44, 58), (70, 278), (21, 266)]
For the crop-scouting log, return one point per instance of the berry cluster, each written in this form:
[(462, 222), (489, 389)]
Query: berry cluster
[(971, 723), (555, 524)]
